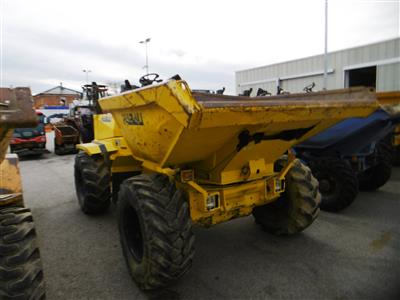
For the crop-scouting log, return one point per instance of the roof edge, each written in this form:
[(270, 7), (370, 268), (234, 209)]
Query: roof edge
[(58, 86), (316, 55)]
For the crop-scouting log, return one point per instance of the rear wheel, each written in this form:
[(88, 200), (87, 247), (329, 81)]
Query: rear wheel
[(21, 270), (375, 177), (338, 182), (92, 183), (155, 230), (297, 208)]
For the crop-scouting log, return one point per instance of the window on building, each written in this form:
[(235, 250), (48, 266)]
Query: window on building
[(361, 77)]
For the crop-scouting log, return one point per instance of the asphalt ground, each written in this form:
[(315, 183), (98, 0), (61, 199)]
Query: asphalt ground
[(354, 254)]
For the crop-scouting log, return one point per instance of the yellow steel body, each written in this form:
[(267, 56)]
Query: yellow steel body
[(163, 129), (10, 178), (10, 181), (5, 136), (16, 111)]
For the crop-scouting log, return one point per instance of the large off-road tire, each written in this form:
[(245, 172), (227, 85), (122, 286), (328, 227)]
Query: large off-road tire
[(375, 177), (155, 230), (21, 273), (338, 182), (296, 209), (92, 183)]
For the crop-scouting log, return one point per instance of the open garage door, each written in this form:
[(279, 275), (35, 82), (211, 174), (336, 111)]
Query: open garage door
[(361, 77)]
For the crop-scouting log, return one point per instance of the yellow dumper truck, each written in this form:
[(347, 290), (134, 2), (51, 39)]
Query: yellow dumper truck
[(171, 158), (21, 274)]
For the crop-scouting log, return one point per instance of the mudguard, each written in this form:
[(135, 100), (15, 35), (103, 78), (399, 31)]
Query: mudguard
[(351, 136), (96, 147)]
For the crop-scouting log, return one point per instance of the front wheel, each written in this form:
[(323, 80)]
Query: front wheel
[(296, 208), (338, 182), (155, 230), (92, 183)]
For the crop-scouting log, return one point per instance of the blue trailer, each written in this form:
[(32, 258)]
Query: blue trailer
[(354, 154)]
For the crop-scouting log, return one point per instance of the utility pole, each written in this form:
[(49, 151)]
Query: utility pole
[(87, 75), (326, 47), (147, 58)]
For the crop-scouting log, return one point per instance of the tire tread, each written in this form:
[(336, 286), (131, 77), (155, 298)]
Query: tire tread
[(93, 174), (377, 176), (345, 175), (296, 209), (21, 272), (169, 231)]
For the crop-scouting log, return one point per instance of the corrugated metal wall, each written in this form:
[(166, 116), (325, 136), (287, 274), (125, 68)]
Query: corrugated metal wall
[(388, 77), (295, 75)]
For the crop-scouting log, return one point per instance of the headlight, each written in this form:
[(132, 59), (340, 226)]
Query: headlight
[(212, 201), (279, 185)]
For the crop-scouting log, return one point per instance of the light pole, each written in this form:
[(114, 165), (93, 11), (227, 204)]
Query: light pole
[(147, 59), (87, 75), (326, 47)]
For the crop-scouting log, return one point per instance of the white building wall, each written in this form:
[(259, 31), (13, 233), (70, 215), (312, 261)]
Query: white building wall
[(388, 77), (295, 75)]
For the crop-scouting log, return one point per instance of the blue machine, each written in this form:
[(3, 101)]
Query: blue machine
[(355, 153)]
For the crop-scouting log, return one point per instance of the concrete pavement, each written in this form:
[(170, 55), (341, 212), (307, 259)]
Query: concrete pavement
[(354, 254)]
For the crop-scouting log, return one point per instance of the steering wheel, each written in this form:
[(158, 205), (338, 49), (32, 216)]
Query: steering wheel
[(149, 79)]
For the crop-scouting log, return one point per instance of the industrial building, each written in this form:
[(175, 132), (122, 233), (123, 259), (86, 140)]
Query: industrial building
[(376, 65), (57, 96)]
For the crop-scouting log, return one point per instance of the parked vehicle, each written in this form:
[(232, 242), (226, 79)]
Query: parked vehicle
[(30, 141), (354, 154), (171, 158), (21, 273), (66, 138), (81, 116)]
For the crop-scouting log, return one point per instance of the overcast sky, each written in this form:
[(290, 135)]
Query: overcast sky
[(45, 42)]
